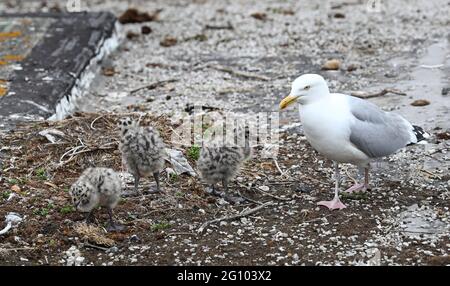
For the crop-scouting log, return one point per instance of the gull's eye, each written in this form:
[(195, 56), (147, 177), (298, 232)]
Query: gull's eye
[(307, 87)]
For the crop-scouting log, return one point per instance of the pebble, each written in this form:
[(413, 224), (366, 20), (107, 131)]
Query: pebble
[(264, 188), (420, 102), (332, 64)]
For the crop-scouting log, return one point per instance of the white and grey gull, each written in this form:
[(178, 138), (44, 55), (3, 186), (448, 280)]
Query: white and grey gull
[(347, 129)]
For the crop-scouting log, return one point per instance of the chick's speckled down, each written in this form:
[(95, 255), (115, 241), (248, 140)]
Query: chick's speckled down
[(96, 187), (142, 148), (220, 160)]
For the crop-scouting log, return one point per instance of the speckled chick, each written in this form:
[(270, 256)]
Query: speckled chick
[(219, 162), (143, 151), (97, 187)]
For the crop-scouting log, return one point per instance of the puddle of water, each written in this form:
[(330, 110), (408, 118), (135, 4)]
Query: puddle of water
[(417, 222), (424, 83)]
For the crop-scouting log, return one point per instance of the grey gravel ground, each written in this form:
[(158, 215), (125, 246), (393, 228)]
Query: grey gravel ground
[(405, 217)]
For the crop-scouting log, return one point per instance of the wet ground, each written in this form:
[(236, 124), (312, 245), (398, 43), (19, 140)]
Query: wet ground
[(232, 57)]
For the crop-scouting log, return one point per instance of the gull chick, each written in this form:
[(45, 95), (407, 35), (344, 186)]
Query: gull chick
[(97, 187), (220, 160), (348, 129), (143, 151)]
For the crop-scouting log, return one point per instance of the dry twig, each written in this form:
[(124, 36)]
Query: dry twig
[(239, 73), (153, 85), (232, 217), (365, 95)]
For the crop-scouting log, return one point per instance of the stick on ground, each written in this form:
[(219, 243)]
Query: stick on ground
[(153, 85), (365, 95), (232, 217), (239, 73)]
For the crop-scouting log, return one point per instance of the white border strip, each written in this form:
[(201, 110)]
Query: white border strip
[(68, 103)]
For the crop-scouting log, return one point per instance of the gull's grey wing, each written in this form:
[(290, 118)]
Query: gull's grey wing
[(375, 132)]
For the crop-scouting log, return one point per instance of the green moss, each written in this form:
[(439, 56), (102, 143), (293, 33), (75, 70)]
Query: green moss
[(160, 226), (173, 177), (13, 181), (193, 152), (41, 211), (67, 209), (6, 194), (41, 173)]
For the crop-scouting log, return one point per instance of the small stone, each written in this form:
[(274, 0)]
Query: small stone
[(145, 30), (264, 188), (391, 74), (131, 35), (333, 64), (109, 71), (134, 238), (168, 41), (134, 16), (15, 188), (112, 250), (352, 67), (445, 91), (259, 16), (303, 189), (339, 15), (420, 102)]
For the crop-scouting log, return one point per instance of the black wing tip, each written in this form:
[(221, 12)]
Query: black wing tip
[(420, 133)]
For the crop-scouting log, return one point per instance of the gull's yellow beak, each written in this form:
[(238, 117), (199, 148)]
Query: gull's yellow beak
[(288, 100)]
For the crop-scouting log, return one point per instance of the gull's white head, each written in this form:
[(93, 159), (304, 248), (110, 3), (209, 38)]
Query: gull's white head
[(304, 89)]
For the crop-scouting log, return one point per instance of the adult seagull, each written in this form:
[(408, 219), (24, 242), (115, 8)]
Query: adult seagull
[(348, 129)]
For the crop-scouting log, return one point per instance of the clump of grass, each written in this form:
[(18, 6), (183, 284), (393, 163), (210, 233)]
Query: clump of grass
[(6, 194), (44, 211), (179, 194), (194, 152), (41, 211), (67, 209), (18, 181), (160, 226), (13, 181), (173, 177), (41, 173)]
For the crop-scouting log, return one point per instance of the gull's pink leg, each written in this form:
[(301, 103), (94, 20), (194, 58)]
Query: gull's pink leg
[(360, 187), (335, 203)]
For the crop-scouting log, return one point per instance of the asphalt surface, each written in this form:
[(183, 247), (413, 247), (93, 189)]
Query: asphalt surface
[(43, 57)]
